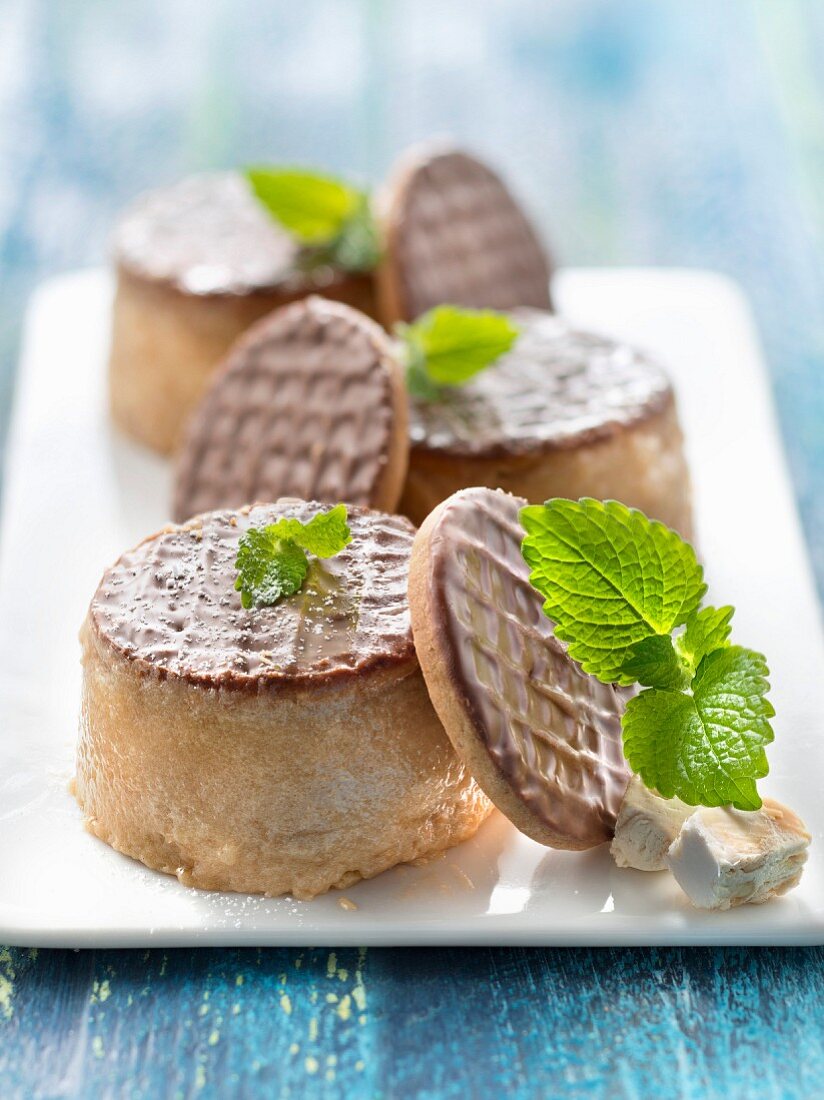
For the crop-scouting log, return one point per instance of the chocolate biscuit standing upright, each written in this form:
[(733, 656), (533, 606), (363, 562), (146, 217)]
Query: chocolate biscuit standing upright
[(454, 234), (541, 737), (310, 403)]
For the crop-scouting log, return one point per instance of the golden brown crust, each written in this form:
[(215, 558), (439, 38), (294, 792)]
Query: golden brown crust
[(166, 345), (264, 793), (641, 464)]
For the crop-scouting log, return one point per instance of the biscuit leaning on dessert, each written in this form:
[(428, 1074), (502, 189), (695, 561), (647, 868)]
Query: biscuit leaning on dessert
[(196, 264), (263, 711), (543, 738), (565, 413)]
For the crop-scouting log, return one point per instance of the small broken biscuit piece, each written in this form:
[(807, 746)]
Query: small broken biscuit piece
[(646, 827), (310, 403), (540, 736), (197, 263), (454, 233), (724, 857)]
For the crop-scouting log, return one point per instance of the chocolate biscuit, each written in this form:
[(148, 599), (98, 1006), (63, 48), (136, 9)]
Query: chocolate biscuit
[(541, 737), (310, 403), (454, 233)]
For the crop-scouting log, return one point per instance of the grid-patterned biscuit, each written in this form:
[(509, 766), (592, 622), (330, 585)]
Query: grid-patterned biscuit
[(454, 233), (311, 404), (542, 738)]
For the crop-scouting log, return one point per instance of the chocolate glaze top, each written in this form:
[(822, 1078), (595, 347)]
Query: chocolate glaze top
[(456, 234), (170, 605), (557, 388), (309, 404), (551, 731), (209, 235)]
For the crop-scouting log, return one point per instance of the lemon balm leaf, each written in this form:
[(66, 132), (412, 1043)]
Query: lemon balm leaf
[(610, 578), (617, 585), (268, 568), (311, 206), (330, 217), (706, 630), (325, 535), (706, 747), (449, 345), (272, 561), (654, 662)]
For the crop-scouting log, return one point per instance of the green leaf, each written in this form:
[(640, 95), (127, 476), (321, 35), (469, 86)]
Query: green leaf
[(268, 568), (654, 662), (610, 578), (325, 535), (706, 748), (271, 561), (448, 345), (357, 246), (312, 206), (331, 218), (707, 630)]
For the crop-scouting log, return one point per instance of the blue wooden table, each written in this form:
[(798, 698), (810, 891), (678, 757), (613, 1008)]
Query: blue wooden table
[(642, 132)]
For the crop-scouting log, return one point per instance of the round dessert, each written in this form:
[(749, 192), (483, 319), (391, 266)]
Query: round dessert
[(311, 403), (564, 414), (454, 233), (542, 738), (197, 264), (285, 749)]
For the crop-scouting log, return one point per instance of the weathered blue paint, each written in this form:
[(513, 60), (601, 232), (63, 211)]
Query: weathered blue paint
[(437, 1023), (652, 131)]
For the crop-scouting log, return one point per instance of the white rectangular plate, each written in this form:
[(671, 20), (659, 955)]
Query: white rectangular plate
[(76, 496)]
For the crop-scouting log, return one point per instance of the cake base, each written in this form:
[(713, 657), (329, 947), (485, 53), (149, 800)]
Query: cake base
[(283, 791), (166, 344), (642, 465)]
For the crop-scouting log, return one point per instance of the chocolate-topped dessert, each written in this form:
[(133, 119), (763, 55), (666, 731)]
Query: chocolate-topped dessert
[(454, 233), (197, 263), (542, 738), (278, 749), (565, 413), (311, 403)]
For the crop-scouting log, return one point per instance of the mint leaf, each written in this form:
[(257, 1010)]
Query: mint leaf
[(654, 662), (312, 206), (331, 218), (706, 748), (268, 568), (357, 246), (448, 346), (610, 578), (325, 535), (707, 630), (271, 561)]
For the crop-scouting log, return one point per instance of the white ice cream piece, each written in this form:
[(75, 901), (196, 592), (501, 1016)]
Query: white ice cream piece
[(646, 827), (724, 857)]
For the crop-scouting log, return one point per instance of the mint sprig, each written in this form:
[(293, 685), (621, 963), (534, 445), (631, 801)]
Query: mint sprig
[(332, 219), (617, 585), (272, 561), (448, 345), (610, 578)]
